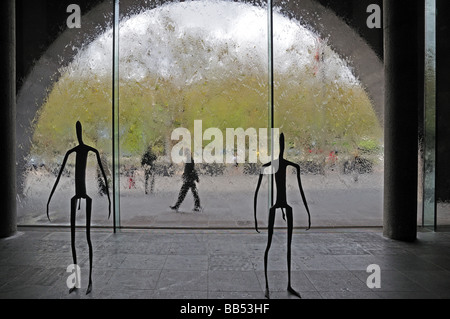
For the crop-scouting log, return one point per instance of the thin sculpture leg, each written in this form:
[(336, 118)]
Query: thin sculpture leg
[(269, 243), (73, 211), (290, 223), (88, 236)]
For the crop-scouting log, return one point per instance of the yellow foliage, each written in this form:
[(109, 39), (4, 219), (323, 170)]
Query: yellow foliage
[(330, 115)]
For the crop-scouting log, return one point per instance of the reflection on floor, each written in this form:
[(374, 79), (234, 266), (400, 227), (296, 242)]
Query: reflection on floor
[(224, 264)]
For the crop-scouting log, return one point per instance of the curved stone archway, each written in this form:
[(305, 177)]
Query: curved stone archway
[(344, 40)]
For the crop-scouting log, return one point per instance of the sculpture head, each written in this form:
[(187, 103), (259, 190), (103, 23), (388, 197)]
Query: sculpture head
[(79, 132)]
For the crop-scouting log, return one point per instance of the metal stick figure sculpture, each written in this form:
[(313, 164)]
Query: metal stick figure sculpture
[(81, 151), (280, 165)]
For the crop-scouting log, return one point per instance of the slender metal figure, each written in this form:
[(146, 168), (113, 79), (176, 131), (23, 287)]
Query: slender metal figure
[(279, 167), (81, 151)]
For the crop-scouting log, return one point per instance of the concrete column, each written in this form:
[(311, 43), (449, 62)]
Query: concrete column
[(404, 63), (443, 100), (8, 213)]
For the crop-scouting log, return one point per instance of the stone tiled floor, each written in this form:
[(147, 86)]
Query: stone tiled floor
[(224, 264)]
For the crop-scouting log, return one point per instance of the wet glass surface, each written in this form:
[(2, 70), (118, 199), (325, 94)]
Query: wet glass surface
[(208, 60)]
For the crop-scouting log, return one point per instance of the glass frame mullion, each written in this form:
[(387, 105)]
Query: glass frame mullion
[(115, 116), (429, 217), (271, 98)]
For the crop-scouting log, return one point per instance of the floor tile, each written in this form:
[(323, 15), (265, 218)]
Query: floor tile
[(186, 262), (335, 280), (133, 279), (278, 281), (174, 280), (151, 262), (220, 281)]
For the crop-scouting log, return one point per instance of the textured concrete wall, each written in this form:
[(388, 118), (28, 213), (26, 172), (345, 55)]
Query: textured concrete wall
[(7, 119)]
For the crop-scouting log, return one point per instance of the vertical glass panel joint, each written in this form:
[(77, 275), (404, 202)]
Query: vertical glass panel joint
[(115, 111), (271, 93), (429, 169)]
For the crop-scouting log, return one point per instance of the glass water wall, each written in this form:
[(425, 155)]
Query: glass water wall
[(203, 67), (72, 81), (199, 66), (332, 124)]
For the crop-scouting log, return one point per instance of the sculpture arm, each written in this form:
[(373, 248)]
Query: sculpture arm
[(256, 194), (57, 181), (302, 193), (256, 200), (97, 154)]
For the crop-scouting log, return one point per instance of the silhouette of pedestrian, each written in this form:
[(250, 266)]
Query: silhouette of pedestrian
[(190, 176), (81, 152), (279, 167), (147, 163), (130, 175)]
